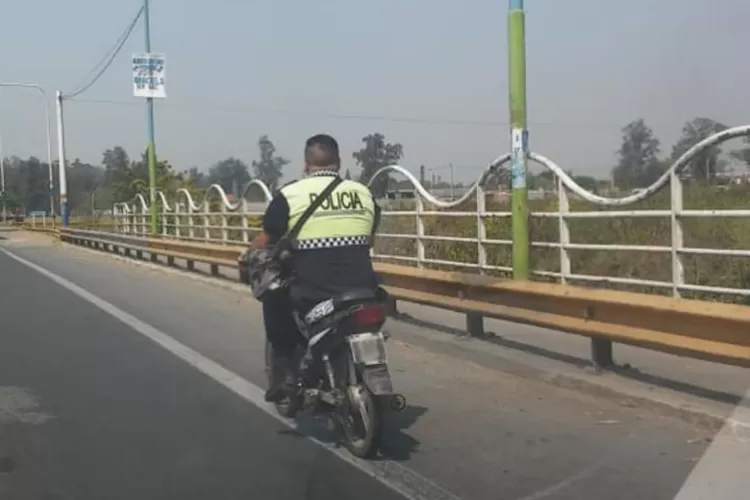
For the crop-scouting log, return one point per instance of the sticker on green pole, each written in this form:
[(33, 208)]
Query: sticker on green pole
[(519, 150)]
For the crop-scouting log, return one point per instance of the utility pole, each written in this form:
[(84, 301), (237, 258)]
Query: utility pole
[(519, 138), (453, 183), (151, 151), (2, 180), (64, 212)]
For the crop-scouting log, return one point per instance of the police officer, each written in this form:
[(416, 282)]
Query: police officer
[(331, 254)]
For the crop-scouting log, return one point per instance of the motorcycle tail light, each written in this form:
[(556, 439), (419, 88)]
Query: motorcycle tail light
[(369, 315)]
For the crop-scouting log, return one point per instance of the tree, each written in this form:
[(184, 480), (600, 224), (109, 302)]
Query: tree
[(706, 164), (167, 179), (268, 167), (638, 161), (587, 182), (26, 184), (33, 185), (743, 154), (123, 178), (12, 201), (375, 155), (231, 174), (196, 178), (86, 187), (117, 175)]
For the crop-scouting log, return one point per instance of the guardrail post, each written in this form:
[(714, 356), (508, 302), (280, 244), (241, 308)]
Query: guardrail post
[(190, 265), (245, 225), (244, 277), (601, 353), (475, 324), (481, 229), (224, 224), (177, 218), (191, 221), (420, 231), (214, 269), (563, 209), (206, 221), (170, 261), (164, 219), (675, 206), (124, 220), (391, 306)]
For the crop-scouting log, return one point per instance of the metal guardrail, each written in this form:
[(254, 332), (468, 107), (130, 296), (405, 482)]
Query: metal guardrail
[(713, 331), (481, 250)]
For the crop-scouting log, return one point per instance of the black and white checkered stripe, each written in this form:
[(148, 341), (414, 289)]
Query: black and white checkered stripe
[(339, 241)]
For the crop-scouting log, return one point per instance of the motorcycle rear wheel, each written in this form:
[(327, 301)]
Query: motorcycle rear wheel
[(361, 422)]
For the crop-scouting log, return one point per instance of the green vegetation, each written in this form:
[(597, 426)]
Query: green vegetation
[(723, 233), (639, 164)]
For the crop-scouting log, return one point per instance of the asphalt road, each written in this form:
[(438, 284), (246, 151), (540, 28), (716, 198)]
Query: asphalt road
[(89, 409), (94, 404)]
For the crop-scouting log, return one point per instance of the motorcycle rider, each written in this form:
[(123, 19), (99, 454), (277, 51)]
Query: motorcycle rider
[(331, 254)]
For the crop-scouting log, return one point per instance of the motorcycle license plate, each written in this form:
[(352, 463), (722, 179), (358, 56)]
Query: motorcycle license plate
[(368, 348)]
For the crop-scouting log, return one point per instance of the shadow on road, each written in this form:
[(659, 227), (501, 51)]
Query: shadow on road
[(625, 370), (396, 445)]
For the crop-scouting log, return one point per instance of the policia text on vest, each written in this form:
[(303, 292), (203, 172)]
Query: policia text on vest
[(347, 200), (347, 217)]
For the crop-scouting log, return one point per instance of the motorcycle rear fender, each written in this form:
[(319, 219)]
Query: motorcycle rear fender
[(368, 356), (377, 378)]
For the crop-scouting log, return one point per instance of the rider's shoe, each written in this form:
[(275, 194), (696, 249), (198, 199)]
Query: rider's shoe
[(282, 382)]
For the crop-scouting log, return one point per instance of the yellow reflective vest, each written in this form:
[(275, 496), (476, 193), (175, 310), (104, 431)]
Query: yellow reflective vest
[(345, 218)]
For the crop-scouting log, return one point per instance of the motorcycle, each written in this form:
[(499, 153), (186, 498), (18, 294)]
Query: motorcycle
[(343, 371)]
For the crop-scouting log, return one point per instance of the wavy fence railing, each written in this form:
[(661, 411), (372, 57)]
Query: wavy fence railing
[(671, 237)]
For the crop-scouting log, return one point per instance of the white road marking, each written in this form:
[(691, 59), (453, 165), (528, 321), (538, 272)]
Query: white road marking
[(723, 472), (408, 483)]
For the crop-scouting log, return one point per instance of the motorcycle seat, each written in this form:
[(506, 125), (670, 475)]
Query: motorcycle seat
[(352, 297), (339, 302)]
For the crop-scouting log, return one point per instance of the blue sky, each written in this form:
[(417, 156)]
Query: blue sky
[(237, 69)]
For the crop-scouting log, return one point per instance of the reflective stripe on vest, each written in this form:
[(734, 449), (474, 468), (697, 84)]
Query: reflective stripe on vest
[(345, 218)]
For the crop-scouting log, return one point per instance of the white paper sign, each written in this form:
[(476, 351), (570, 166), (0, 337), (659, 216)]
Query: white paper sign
[(149, 72)]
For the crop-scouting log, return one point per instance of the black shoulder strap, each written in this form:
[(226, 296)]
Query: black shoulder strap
[(294, 231)]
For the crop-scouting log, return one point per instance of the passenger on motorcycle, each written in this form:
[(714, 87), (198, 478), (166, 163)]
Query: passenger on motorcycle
[(331, 254)]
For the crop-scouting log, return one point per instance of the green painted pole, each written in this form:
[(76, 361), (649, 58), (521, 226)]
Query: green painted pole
[(151, 148), (519, 138)]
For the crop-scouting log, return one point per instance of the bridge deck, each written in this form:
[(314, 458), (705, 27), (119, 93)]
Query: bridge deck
[(130, 419)]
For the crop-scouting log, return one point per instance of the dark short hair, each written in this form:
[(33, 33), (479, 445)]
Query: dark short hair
[(322, 150)]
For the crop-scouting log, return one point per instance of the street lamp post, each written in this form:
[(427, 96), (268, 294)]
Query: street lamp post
[(41, 91), (151, 152), (2, 180), (519, 138), (61, 158)]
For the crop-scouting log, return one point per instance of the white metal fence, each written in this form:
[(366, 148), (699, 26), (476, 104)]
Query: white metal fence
[(474, 242)]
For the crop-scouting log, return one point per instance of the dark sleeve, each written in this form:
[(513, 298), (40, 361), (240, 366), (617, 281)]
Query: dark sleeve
[(276, 218), (376, 218)]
